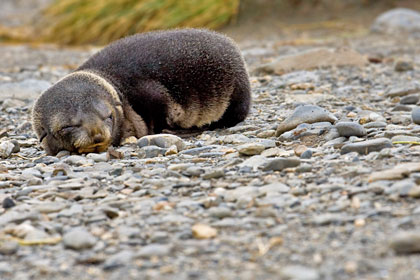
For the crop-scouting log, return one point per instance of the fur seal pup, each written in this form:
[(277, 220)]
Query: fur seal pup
[(142, 84)]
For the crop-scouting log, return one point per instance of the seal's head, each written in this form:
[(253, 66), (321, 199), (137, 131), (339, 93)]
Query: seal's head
[(81, 113)]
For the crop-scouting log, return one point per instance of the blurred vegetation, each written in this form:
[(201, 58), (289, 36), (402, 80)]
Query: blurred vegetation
[(102, 21), (99, 22)]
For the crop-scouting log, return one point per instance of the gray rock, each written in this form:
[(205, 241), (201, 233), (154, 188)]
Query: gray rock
[(102, 157), (251, 149), (375, 124), (8, 247), (153, 151), (162, 141), (298, 272), (305, 114), (299, 77), (279, 164), (220, 212), (6, 149), (152, 250), (402, 66), (26, 90), (405, 138), (406, 242), (214, 174), (398, 21), (79, 239), (348, 129), (367, 146), (306, 154), (403, 89), (415, 115), (119, 259)]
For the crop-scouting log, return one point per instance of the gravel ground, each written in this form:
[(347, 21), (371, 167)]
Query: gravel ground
[(333, 196)]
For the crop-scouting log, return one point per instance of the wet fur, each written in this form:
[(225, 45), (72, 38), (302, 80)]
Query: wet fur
[(182, 79)]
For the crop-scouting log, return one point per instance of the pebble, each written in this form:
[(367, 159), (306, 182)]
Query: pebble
[(305, 114), (410, 99), (159, 250), (8, 203), (397, 22), (406, 242), (162, 141), (6, 149), (251, 149), (118, 260), (366, 147), (403, 65), (298, 272), (347, 129), (415, 115), (153, 151), (8, 247), (306, 154), (79, 239), (279, 164), (202, 231)]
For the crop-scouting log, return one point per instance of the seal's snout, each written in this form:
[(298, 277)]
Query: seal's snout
[(98, 138)]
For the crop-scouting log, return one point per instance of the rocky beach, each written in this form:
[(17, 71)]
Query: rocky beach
[(321, 181)]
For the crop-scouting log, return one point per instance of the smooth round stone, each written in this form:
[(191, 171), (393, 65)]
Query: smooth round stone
[(402, 66), (415, 115), (406, 242), (410, 99), (214, 174), (102, 157), (398, 21), (8, 203), (6, 149), (118, 260), (8, 247), (300, 149), (220, 212), (162, 141), (298, 272), (305, 114), (79, 239), (279, 164), (348, 129), (306, 154), (365, 147), (153, 151), (251, 149), (151, 250), (375, 125)]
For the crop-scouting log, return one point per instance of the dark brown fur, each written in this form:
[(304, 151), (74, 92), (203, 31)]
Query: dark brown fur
[(188, 78)]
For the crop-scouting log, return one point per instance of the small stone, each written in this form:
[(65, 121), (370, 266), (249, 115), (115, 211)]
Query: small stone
[(153, 151), (8, 203), (162, 141), (300, 149), (202, 231), (306, 154), (119, 259), (159, 250), (348, 129), (399, 21), (251, 149), (8, 247), (305, 114), (214, 174), (279, 164), (406, 242), (410, 99), (402, 66), (6, 149), (102, 157), (368, 146), (220, 212), (415, 115), (397, 172), (298, 272), (414, 192), (79, 239), (172, 150)]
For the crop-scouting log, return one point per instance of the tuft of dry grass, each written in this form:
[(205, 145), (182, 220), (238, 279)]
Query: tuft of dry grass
[(102, 21)]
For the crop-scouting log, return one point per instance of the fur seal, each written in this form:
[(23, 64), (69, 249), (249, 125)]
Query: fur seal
[(142, 84)]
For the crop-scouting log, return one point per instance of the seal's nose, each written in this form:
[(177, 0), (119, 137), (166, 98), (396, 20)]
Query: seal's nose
[(98, 138)]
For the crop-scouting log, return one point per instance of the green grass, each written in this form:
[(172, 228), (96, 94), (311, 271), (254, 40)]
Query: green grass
[(102, 21)]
